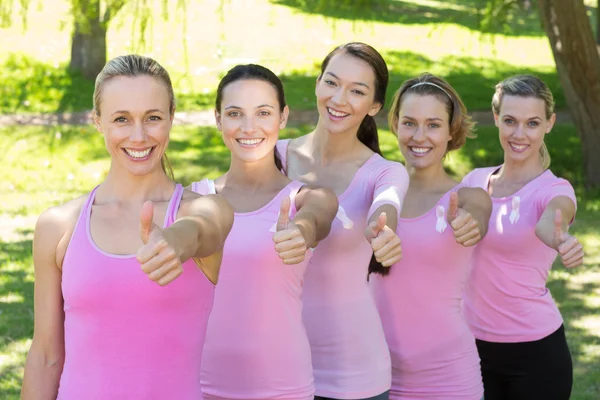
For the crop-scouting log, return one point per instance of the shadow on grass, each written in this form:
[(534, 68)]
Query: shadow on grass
[(467, 13)]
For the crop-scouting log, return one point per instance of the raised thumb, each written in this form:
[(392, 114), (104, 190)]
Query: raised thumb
[(146, 221), (453, 207), (284, 214)]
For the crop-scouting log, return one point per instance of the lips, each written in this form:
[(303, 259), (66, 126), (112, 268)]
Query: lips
[(139, 154), (517, 147), (336, 114), (250, 142), (419, 151)]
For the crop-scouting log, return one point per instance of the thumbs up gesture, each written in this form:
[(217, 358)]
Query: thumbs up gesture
[(384, 241), (569, 248), (290, 244), (158, 258), (465, 227)]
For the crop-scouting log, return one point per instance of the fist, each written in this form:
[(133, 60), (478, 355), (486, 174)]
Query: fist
[(384, 241), (158, 258), (290, 244), (568, 247), (465, 227)]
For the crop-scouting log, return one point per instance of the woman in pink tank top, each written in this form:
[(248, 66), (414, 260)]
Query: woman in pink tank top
[(256, 345), (433, 352), (349, 353), (105, 328), (519, 329)]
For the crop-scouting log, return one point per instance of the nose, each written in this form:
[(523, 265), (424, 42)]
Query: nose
[(248, 124), (419, 135), (339, 96), (138, 133), (519, 131)]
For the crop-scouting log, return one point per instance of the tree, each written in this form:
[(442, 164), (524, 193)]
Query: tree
[(91, 19)]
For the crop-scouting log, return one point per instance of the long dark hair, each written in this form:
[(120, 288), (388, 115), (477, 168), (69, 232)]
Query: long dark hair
[(367, 132), (253, 72)]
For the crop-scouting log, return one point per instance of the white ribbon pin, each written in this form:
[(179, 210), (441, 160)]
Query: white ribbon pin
[(441, 224), (514, 213), (347, 223)]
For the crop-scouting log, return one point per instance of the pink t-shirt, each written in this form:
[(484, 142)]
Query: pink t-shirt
[(126, 337), (349, 353), (506, 299), (256, 345), (433, 351)]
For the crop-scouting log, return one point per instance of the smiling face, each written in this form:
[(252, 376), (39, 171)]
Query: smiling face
[(345, 93), (423, 130), (250, 119), (135, 118), (522, 124)]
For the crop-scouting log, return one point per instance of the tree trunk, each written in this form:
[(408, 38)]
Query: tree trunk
[(598, 22), (574, 48), (88, 46)]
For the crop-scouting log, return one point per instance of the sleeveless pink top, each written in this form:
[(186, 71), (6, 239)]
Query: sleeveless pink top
[(126, 337), (506, 298), (433, 351), (350, 356), (256, 345)]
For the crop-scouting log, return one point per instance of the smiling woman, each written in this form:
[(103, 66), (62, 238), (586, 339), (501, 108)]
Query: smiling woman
[(101, 259)]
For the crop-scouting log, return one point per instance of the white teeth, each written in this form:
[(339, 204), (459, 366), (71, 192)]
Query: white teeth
[(420, 150), (519, 146), (138, 154), (249, 142), (336, 113)]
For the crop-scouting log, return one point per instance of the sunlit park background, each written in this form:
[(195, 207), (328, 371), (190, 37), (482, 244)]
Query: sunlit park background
[(49, 154)]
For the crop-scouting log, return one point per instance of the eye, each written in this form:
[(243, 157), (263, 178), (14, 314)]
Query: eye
[(533, 124), (234, 114), (408, 123), (329, 82), (264, 113), (120, 120), (358, 92), (509, 121), (434, 126), (154, 118)]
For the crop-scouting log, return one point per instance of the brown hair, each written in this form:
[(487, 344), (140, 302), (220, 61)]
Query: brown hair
[(461, 125), (526, 86), (133, 65), (367, 132)]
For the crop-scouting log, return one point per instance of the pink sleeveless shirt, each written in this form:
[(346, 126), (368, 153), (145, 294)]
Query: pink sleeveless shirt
[(256, 345), (432, 349), (126, 337), (349, 353), (506, 299)]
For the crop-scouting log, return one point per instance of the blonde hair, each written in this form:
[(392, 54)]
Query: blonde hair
[(461, 125), (526, 86), (134, 65)]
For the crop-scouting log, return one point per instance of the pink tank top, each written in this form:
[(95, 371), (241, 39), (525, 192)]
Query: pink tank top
[(126, 337), (350, 356), (432, 349), (256, 345), (506, 299)]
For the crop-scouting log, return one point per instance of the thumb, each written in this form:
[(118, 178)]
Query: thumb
[(453, 207), (558, 226), (146, 221), (378, 225), (284, 214)]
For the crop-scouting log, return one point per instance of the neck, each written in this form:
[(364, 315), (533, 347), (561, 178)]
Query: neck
[(427, 178), (122, 187), (328, 148), (252, 176), (520, 172)]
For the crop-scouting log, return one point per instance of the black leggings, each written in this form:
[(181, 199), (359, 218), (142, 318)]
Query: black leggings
[(382, 396), (529, 370)]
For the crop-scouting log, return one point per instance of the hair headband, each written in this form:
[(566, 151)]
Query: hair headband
[(432, 84)]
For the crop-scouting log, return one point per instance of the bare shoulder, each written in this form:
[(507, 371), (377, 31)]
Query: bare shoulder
[(474, 195)]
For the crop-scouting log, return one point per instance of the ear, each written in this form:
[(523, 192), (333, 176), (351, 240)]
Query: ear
[(172, 115), (96, 119), (496, 118), (284, 117), (375, 108), (317, 81), (551, 123), (218, 119)]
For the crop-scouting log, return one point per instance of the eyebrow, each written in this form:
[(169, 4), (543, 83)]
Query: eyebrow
[(154, 110), (355, 83), (240, 108), (428, 119), (528, 119)]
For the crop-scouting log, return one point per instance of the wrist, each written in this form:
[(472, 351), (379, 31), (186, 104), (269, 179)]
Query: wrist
[(307, 224)]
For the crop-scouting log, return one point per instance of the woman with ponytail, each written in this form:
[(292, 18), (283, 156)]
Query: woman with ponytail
[(518, 327), (349, 353)]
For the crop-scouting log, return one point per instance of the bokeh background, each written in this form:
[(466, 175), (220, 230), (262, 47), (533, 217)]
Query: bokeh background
[(51, 50)]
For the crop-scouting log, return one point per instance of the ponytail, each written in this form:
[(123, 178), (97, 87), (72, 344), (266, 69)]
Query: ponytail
[(278, 162), (545, 156), (367, 134), (167, 167)]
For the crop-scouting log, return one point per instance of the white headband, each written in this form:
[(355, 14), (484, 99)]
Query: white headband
[(432, 84)]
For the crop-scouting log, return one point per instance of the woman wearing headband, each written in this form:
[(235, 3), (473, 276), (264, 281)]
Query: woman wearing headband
[(433, 352), (349, 354), (519, 329)]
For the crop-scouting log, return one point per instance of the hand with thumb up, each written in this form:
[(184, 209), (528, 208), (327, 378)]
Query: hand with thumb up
[(290, 244), (465, 227), (569, 248), (384, 241), (158, 257)]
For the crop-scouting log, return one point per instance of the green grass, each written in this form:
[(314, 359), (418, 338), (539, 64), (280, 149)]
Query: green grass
[(47, 166), (288, 36)]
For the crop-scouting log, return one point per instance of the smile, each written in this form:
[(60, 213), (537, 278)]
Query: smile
[(420, 151), (519, 148), (138, 154), (250, 142), (336, 114)]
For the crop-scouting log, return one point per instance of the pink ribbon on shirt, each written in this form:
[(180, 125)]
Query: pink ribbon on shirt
[(441, 224), (514, 214)]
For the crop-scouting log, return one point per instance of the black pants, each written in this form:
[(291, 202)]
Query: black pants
[(529, 370), (382, 396)]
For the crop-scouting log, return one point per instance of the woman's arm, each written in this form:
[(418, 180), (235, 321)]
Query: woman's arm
[(469, 214), (201, 230), (552, 229), (45, 359)]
